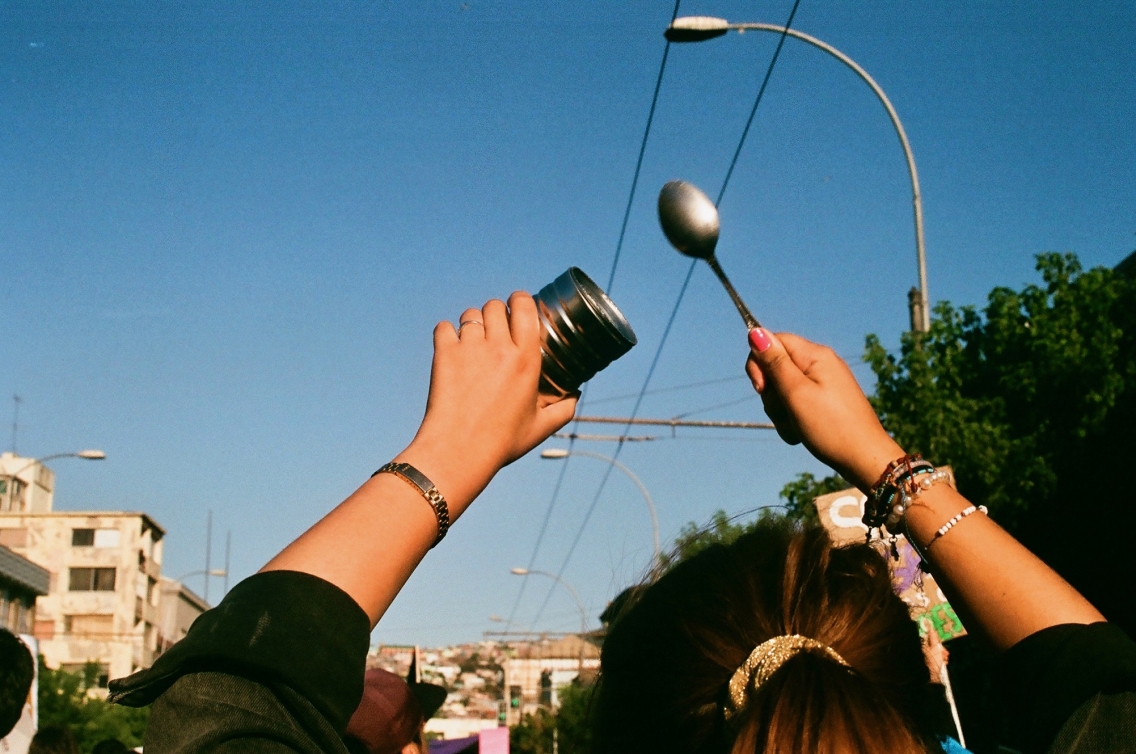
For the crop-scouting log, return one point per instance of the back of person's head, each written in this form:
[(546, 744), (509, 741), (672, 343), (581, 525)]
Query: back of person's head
[(53, 739), (110, 746), (17, 669), (669, 657)]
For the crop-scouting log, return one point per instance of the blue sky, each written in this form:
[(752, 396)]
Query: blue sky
[(227, 230)]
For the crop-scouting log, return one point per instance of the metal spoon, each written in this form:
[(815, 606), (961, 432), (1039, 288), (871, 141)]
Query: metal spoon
[(690, 223)]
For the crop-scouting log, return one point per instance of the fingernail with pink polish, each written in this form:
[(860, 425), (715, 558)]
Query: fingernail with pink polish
[(759, 339)]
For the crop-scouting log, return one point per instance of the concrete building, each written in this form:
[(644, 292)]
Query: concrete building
[(21, 582), (25, 485), (102, 602), (537, 669), (178, 608)]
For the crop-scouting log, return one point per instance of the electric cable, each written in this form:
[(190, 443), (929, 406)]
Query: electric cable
[(619, 447), (642, 151), (610, 281), (681, 294), (676, 388), (757, 101)]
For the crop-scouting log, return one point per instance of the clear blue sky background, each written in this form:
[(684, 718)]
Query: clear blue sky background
[(228, 228)]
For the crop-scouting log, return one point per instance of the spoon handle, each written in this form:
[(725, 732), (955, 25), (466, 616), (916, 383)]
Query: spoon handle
[(750, 320)]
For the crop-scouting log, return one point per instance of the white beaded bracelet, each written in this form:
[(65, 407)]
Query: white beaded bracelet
[(954, 521)]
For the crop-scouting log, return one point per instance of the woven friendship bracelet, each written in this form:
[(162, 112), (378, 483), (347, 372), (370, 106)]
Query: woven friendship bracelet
[(413, 476)]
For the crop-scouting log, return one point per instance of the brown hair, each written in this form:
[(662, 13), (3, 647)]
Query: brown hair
[(668, 657)]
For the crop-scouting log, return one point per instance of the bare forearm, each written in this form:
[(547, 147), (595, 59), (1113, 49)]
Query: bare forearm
[(370, 543), (996, 584)]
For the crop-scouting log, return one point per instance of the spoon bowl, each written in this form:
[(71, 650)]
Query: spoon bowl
[(689, 219)]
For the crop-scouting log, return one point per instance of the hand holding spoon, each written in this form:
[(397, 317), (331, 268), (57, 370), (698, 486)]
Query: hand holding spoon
[(690, 223)]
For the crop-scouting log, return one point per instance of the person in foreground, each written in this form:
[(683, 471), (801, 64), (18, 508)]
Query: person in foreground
[(779, 643)]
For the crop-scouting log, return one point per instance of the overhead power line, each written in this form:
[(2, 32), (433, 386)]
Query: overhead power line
[(610, 282), (681, 293)]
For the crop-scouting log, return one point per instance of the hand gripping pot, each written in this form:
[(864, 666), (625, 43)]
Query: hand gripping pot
[(583, 332)]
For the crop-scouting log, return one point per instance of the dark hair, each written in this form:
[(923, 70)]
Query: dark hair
[(668, 657), (17, 668), (53, 739)]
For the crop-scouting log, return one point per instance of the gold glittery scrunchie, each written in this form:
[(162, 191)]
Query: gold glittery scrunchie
[(764, 661)]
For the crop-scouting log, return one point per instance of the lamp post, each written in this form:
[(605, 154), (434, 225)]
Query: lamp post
[(89, 455), (701, 28), (559, 453), (575, 596)]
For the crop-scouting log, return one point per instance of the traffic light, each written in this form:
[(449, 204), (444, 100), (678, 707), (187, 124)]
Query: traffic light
[(515, 697)]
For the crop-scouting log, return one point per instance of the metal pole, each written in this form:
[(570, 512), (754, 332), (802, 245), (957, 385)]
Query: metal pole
[(208, 544), (228, 539), (673, 422), (916, 198)]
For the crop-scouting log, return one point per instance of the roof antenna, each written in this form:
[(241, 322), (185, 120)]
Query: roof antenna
[(15, 421)]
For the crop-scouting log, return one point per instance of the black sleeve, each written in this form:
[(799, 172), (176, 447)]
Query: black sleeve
[(1051, 674), (282, 635)]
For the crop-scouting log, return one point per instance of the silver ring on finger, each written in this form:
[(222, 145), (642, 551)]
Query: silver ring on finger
[(470, 322)]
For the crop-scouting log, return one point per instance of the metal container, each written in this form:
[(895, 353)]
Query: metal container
[(583, 332)]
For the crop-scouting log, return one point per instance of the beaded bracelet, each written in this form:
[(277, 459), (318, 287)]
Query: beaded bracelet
[(881, 497), (910, 488), (942, 530)]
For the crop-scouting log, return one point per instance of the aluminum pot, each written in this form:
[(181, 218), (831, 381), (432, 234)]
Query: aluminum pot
[(583, 332)]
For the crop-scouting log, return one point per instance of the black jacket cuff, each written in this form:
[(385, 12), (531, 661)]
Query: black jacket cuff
[(275, 627)]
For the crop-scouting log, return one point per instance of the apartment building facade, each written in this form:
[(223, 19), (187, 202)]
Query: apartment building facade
[(102, 604)]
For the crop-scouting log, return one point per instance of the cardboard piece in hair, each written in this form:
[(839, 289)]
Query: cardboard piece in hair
[(841, 513)]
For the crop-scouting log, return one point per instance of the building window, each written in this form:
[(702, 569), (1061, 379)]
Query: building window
[(14, 537), (107, 538), (101, 538), (91, 580), (96, 627)]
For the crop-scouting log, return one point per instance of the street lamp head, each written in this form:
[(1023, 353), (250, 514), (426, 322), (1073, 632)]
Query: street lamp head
[(696, 28), (689, 219), (519, 571), (554, 453), (218, 572), (92, 455)]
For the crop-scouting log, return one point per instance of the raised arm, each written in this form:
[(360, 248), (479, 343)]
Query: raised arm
[(998, 586), (483, 413)]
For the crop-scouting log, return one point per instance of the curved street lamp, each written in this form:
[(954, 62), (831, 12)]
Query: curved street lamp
[(701, 28), (89, 455), (558, 453), (575, 596)]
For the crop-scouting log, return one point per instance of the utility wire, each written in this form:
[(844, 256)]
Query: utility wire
[(610, 281), (757, 101), (543, 529), (642, 151), (676, 388), (619, 447), (682, 291)]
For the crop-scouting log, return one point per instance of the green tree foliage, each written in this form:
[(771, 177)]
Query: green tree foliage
[(721, 529), (65, 699), (1032, 401), (534, 734), (800, 493)]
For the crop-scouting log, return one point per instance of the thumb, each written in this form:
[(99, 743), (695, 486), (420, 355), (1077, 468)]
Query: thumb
[(777, 368), (553, 417)]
